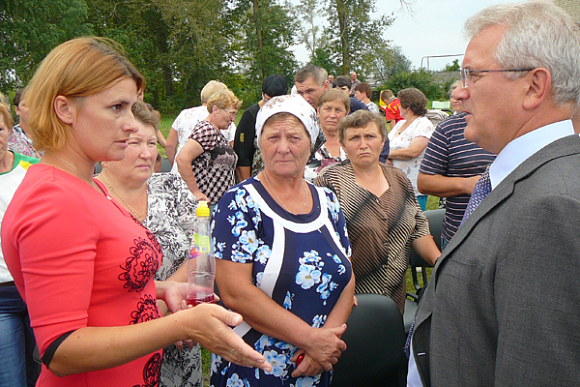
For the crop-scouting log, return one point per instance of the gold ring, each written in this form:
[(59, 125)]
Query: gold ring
[(233, 351)]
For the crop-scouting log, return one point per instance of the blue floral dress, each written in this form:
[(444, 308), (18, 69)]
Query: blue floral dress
[(300, 261)]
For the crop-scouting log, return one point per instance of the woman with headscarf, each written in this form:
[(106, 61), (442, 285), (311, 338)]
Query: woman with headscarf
[(283, 259)]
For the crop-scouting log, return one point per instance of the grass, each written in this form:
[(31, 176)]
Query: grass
[(432, 204)]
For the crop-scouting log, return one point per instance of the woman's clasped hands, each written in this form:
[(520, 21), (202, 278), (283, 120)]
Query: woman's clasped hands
[(321, 353)]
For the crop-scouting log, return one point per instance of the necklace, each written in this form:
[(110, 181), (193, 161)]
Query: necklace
[(139, 215), (74, 167), (67, 163), (281, 202)]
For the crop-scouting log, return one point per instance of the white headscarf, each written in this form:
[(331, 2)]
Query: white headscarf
[(295, 105)]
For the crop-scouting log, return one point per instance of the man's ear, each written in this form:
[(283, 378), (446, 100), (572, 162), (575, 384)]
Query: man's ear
[(538, 87), (65, 109)]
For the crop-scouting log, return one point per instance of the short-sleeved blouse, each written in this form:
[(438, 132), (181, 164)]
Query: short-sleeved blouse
[(185, 123), (18, 142), (319, 160), (300, 261), (421, 127), (170, 217), (214, 169), (79, 260)]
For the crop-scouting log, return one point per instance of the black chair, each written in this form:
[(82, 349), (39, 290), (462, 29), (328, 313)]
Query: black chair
[(418, 264), (165, 165), (375, 341)]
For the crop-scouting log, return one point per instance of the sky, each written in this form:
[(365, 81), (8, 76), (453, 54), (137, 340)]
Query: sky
[(433, 28)]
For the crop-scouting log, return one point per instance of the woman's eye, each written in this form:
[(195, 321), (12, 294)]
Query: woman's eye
[(117, 107)]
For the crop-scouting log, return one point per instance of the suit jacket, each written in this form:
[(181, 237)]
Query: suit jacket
[(502, 307)]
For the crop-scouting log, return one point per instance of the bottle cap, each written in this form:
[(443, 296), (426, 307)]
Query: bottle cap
[(202, 209)]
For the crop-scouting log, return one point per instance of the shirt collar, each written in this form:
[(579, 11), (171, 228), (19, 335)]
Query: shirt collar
[(520, 149)]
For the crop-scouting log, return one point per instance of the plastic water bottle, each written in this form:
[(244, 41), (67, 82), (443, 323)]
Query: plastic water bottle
[(201, 262)]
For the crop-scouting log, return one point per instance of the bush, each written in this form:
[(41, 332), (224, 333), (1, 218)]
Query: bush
[(419, 79)]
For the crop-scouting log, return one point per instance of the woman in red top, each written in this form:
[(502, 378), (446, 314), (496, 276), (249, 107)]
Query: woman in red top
[(81, 262)]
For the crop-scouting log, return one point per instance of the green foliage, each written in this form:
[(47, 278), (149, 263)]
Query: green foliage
[(176, 44), (419, 79), (311, 36), (453, 67), (30, 29), (323, 58), (262, 32), (353, 32), (387, 62)]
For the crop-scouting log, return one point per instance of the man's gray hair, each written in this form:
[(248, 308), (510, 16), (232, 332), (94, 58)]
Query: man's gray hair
[(538, 34), (317, 73)]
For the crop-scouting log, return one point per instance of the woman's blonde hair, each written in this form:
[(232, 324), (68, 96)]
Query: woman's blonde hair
[(223, 99), (5, 113), (335, 95), (75, 69), (210, 88), (145, 115)]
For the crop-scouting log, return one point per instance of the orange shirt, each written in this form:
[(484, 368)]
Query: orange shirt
[(392, 111)]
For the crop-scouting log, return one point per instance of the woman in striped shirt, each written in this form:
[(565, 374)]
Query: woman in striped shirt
[(382, 215)]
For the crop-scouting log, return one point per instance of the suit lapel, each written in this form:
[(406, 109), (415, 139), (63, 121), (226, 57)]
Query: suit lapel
[(565, 146)]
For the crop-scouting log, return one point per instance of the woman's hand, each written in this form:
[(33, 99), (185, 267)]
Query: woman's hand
[(326, 347), (200, 196), (210, 326), (173, 293), (307, 367)]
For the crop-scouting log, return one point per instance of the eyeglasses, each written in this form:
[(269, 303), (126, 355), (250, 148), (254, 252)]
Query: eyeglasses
[(233, 115), (467, 73)]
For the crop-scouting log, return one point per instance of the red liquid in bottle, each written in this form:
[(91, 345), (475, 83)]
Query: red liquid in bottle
[(201, 298)]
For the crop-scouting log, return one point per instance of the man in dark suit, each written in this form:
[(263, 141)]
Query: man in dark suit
[(502, 306)]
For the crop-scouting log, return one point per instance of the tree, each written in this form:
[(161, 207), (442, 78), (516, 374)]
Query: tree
[(261, 32), (384, 62), (30, 29), (353, 32), (323, 58), (351, 38), (453, 67), (420, 79), (178, 45), (311, 34)]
